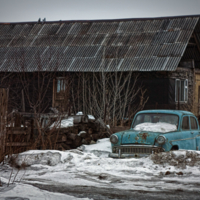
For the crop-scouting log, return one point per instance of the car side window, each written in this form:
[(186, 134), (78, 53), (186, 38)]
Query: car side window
[(185, 123), (193, 123)]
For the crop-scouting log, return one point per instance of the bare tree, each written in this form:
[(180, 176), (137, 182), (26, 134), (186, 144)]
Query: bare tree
[(113, 96)]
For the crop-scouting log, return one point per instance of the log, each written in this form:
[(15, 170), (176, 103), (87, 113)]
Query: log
[(76, 143), (90, 131), (65, 146), (95, 137), (69, 142), (72, 136), (88, 139)]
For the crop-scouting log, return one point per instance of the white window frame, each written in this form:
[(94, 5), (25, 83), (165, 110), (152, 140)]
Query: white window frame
[(183, 89), (60, 84)]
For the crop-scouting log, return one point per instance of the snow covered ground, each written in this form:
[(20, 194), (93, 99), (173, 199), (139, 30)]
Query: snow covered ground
[(83, 173)]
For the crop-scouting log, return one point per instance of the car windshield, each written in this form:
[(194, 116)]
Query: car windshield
[(156, 121)]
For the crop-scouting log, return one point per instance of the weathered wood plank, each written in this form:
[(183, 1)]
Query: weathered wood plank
[(16, 132), (17, 144)]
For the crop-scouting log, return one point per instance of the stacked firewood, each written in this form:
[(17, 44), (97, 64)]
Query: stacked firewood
[(84, 131)]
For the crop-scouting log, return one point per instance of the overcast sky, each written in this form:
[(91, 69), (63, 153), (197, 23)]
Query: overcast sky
[(54, 10)]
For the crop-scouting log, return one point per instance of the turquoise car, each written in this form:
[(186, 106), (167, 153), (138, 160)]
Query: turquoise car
[(154, 131)]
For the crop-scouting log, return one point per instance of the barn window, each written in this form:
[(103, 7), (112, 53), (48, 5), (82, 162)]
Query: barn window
[(60, 85), (181, 90)]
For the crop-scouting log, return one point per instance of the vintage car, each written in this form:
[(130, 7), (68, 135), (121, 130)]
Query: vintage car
[(154, 131)]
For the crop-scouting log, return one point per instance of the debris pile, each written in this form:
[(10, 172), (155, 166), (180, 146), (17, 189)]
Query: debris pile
[(76, 130), (180, 159)]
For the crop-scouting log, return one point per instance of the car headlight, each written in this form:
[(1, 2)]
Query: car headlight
[(114, 139), (161, 139)]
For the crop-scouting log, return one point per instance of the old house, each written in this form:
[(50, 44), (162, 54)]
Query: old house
[(164, 51)]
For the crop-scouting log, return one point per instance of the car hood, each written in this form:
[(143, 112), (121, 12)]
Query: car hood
[(139, 137)]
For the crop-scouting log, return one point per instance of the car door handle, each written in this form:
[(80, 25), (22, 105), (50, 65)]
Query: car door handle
[(192, 132)]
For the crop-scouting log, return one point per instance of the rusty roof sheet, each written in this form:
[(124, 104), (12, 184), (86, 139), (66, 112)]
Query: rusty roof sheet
[(91, 46)]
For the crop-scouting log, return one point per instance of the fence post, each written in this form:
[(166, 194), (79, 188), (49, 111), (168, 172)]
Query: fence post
[(3, 119)]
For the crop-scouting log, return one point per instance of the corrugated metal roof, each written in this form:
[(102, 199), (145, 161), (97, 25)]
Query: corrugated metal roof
[(91, 46)]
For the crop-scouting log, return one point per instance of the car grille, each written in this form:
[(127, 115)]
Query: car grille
[(140, 150)]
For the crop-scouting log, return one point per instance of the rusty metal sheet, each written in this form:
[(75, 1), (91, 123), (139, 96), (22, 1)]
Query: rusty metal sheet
[(98, 39), (132, 52), (105, 63), (36, 29), (172, 62), (159, 63), (50, 29), (76, 64), (17, 41), (70, 51), (148, 64), (123, 26), (68, 40), (3, 52), (26, 29), (95, 28), (108, 28), (114, 65), (5, 40), (190, 23), (75, 29), (64, 29), (4, 29), (136, 45), (92, 64), (85, 28)]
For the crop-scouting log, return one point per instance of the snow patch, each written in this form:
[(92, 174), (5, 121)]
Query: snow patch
[(91, 117), (101, 149), (28, 192), (167, 171), (79, 113), (43, 158), (160, 127), (65, 123)]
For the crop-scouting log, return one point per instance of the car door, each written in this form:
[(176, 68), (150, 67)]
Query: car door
[(184, 139), (195, 131)]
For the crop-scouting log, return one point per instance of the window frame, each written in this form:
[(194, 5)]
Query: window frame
[(188, 123), (191, 123), (62, 85), (184, 90)]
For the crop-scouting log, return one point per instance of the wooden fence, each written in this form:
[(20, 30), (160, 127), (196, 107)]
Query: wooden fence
[(3, 119)]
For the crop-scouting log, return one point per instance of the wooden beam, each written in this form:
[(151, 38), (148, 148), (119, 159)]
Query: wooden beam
[(18, 144), (197, 42)]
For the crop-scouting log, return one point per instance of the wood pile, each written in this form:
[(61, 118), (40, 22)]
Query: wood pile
[(84, 131)]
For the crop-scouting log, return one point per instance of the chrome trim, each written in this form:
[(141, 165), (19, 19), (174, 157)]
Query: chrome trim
[(119, 155), (163, 137), (114, 136), (129, 145), (116, 155), (186, 138), (135, 151)]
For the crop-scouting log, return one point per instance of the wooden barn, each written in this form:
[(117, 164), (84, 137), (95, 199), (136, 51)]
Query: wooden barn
[(44, 56)]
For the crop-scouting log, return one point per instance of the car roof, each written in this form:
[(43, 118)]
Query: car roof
[(176, 112)]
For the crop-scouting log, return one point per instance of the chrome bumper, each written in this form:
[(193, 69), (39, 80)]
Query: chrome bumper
[(117, 155), (135, 151)]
